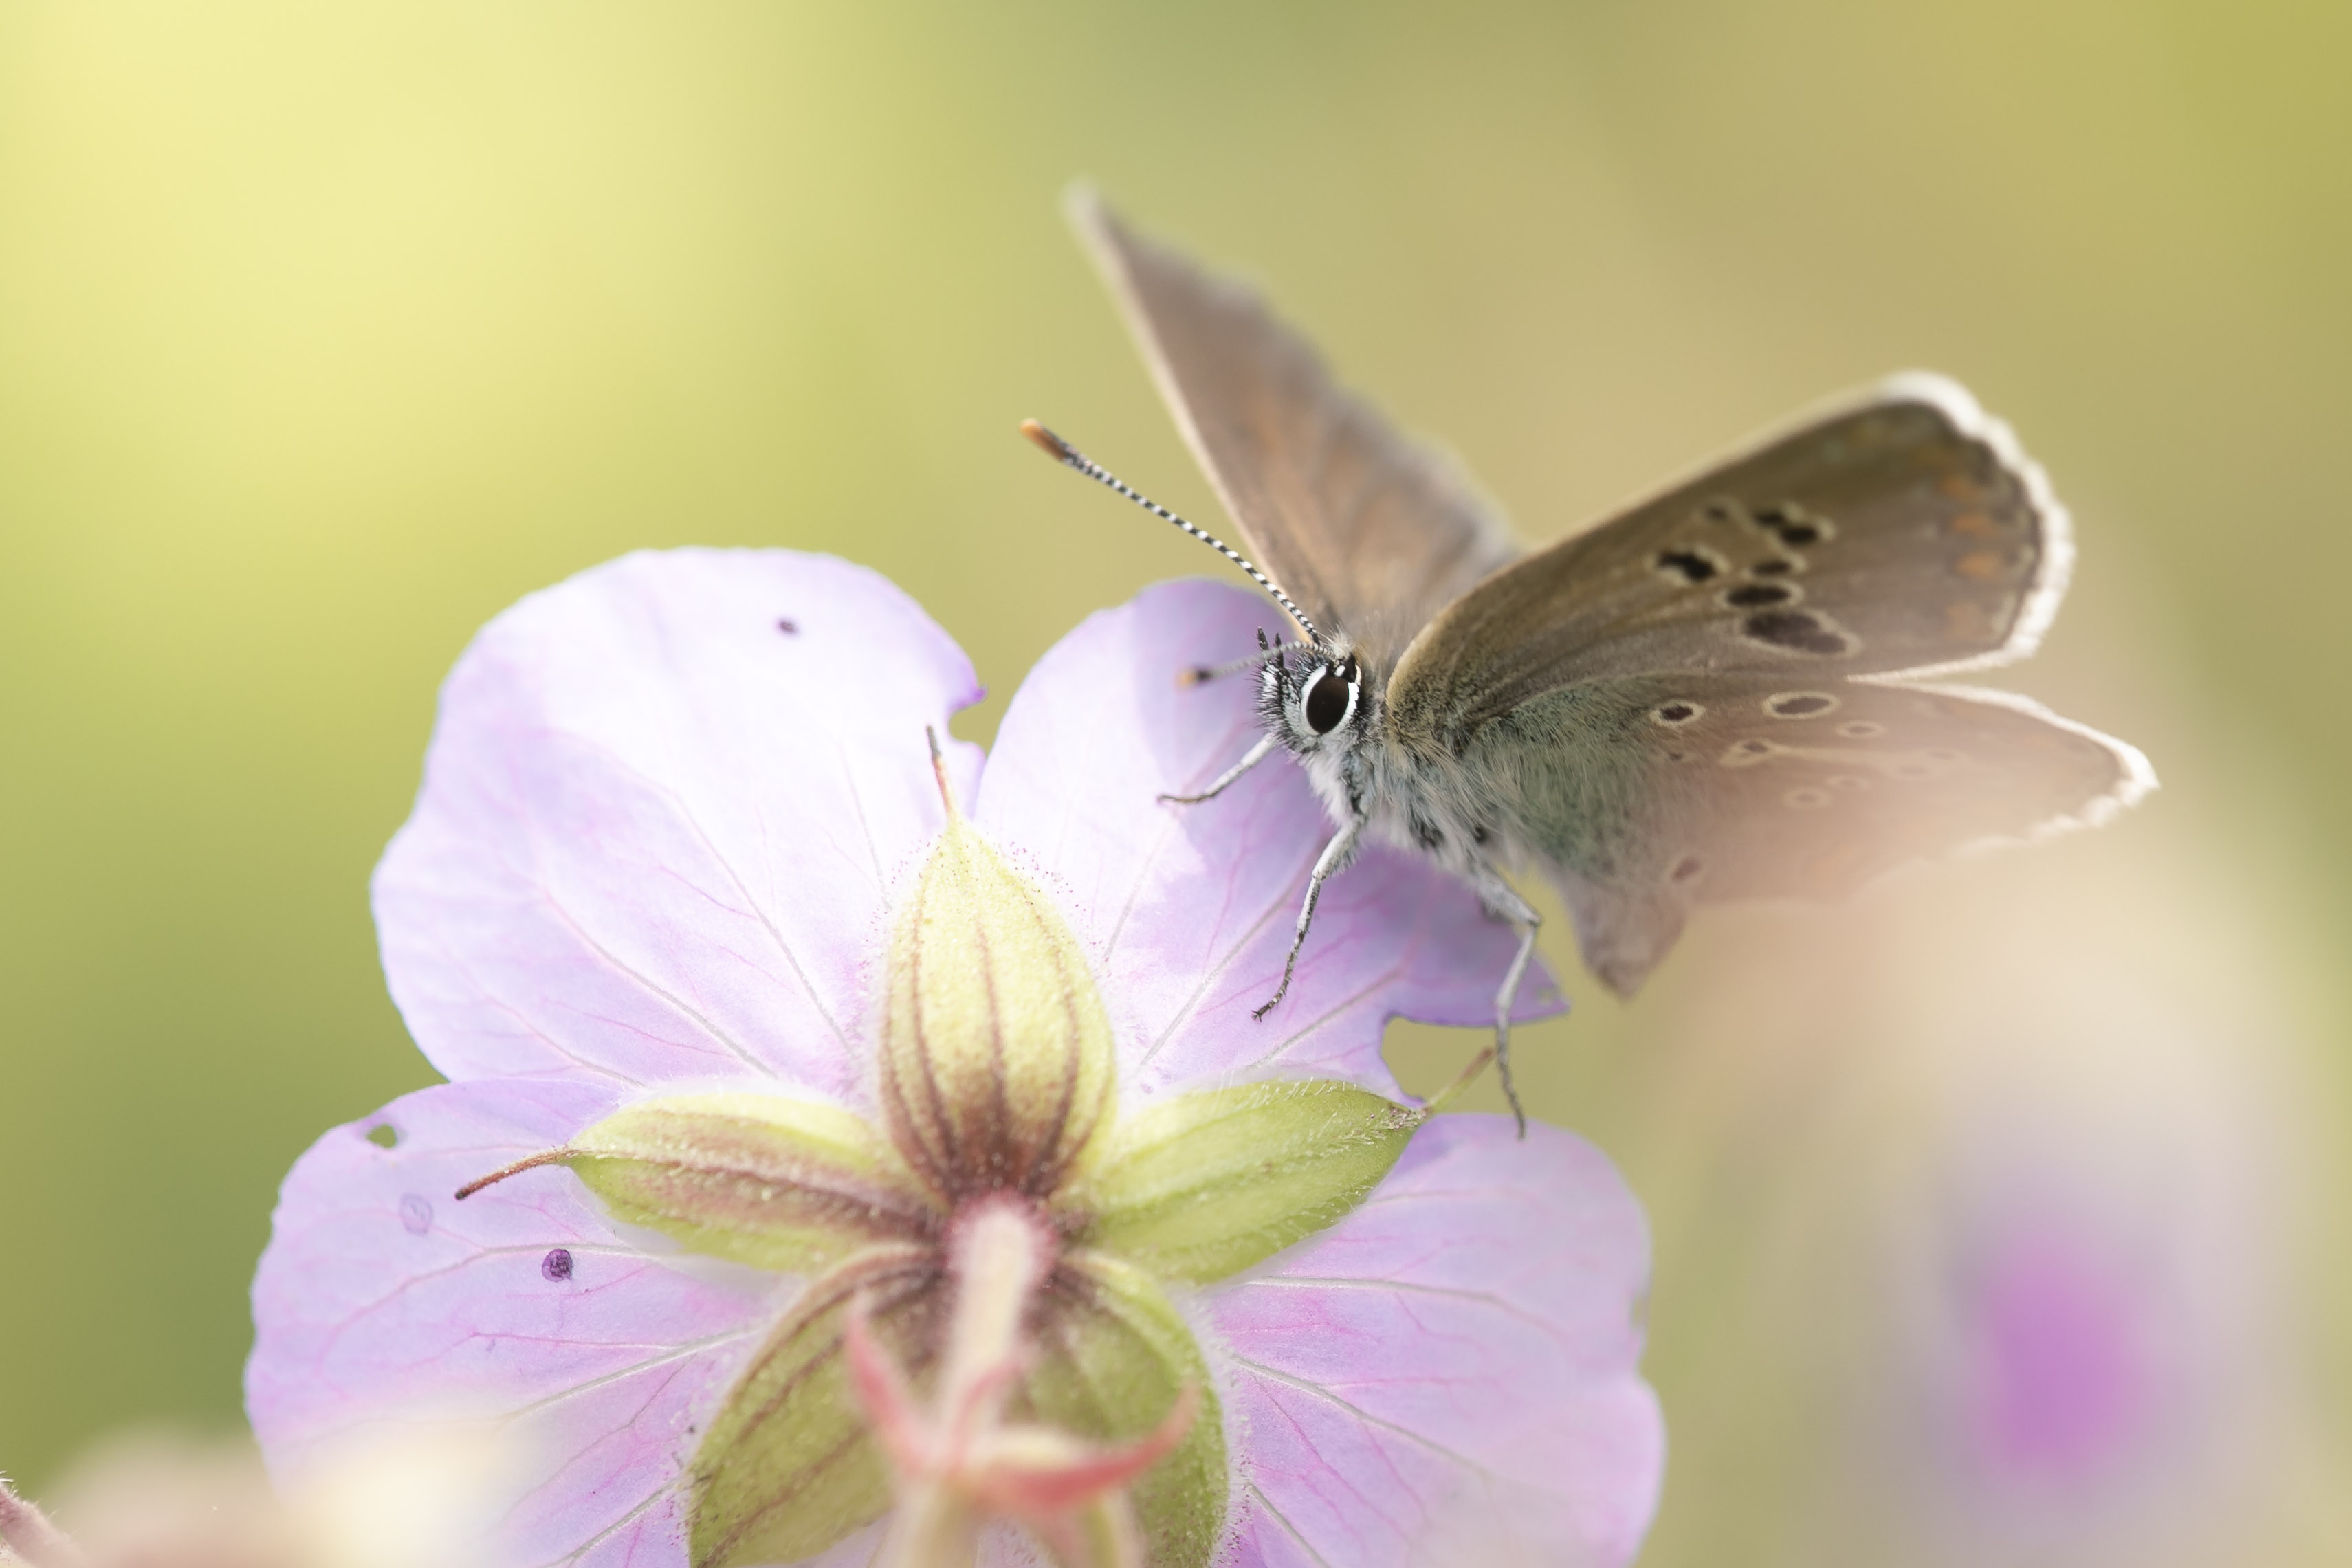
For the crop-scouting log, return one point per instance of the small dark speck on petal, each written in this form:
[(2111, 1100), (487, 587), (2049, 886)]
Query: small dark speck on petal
[(788, 628), (415, 1214), (556, 1266)]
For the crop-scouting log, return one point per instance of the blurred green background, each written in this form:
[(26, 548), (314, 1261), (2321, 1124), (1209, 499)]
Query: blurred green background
[(327, 331)]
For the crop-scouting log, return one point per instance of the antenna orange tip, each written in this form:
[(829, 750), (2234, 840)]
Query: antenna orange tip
[(1046, 442)]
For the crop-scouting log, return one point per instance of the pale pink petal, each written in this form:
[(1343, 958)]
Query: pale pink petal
[(1188, 910), (662, 810), (383, 1304), (1449, 1374)]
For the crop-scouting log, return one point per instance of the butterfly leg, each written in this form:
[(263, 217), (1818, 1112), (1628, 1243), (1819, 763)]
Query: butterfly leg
[(1503, 899), (1258, 753), (1330, 863)]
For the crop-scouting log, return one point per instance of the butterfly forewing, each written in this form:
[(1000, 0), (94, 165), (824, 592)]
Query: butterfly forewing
[(1371, 533), (1899, 533)]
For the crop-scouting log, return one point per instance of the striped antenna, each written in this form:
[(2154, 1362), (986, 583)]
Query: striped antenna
[(1061, 451)]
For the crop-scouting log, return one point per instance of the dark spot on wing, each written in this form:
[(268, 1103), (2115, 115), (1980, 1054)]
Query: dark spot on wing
[(1773, 566), (1861, 729), (1799, 705), (1677, 712), (1686, 869), (1690, 565), (1798, 631), (1792, 525), (1756, 747), (1754, 595)]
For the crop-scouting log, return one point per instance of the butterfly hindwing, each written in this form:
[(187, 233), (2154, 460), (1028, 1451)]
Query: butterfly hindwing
[(1647, 796), (1899, 532), (1371, 533)]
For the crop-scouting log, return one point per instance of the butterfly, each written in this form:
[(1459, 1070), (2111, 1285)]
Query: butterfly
[(1719, 693)]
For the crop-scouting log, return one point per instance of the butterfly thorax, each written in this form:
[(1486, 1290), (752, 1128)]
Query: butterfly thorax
[(1329, 709)]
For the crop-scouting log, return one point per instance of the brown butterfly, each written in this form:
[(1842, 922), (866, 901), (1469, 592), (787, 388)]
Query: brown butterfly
[(1715, 693)]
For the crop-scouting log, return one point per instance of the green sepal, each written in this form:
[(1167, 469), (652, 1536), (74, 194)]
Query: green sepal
[(785, 1185), (1113, 1359), (788, 1466), (1198, 1186), (996, 1065)]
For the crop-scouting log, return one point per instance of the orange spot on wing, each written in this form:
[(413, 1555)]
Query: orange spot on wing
[(1966, 622), (1961, 488), (1982, 566), (1832, 870), (1975, 526)]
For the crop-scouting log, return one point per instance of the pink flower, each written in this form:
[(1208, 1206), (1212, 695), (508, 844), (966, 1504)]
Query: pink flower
[(677, 828)]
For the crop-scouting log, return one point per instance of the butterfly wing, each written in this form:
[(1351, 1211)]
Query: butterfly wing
[(1901, 530), (1698, 700), (1371, 533), (1644, 797)]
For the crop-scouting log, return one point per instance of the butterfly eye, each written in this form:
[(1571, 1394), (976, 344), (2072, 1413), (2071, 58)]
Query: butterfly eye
[(1328, 701)]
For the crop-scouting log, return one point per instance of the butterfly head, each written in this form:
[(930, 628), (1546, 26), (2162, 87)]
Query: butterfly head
[(1315, 699)]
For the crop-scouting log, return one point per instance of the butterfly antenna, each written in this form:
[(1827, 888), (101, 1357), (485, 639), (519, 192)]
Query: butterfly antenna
[(1061, 451)]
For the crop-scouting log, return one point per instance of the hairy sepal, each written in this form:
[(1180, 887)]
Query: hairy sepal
[(1198, 1186), (788, 1466), (785, 1185), (996, 1064), (1113, 1359)]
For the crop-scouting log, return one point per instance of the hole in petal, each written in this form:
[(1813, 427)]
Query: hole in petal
[(383, 1135)]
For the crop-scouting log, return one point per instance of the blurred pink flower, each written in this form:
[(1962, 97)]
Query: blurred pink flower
[(2018, 1150), (669, 810)]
